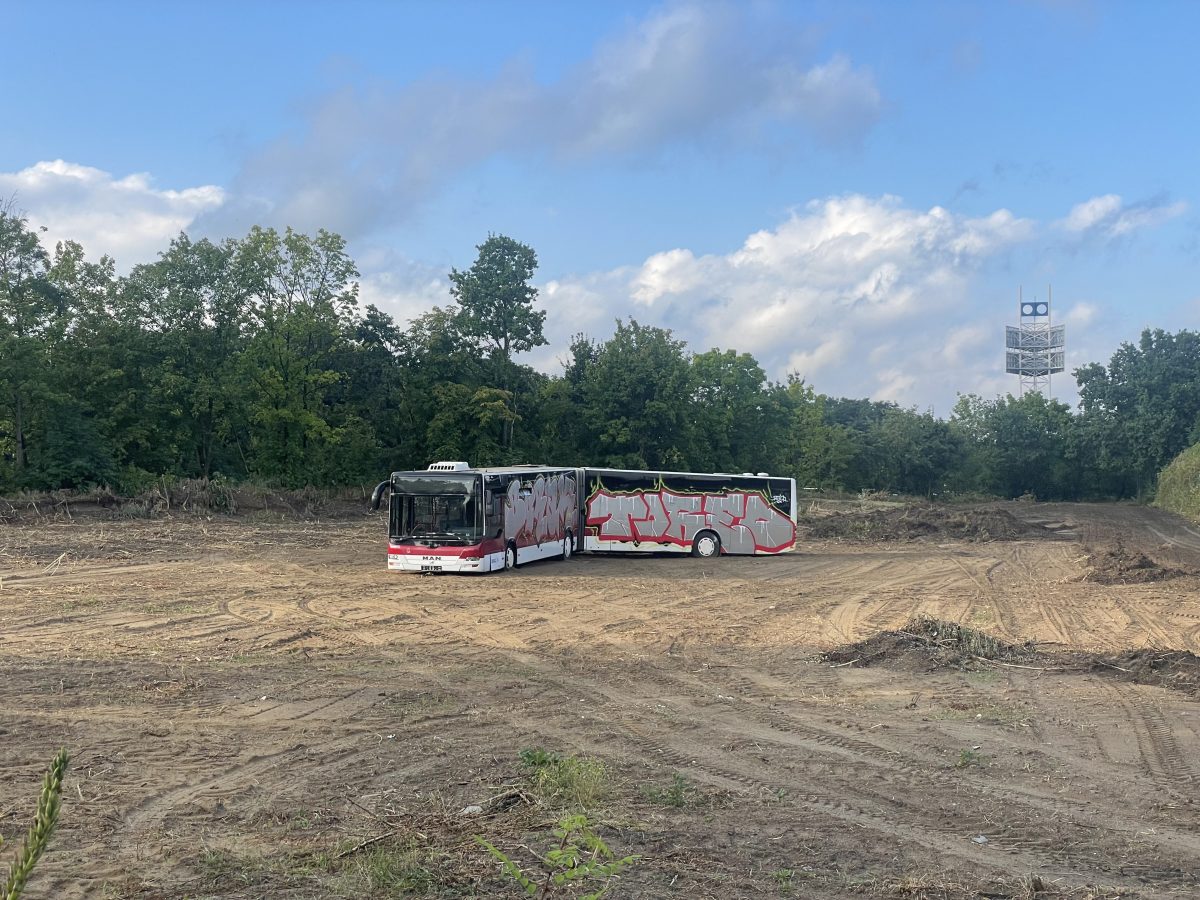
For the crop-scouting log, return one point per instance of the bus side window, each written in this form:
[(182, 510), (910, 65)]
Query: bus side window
[(493, 513)]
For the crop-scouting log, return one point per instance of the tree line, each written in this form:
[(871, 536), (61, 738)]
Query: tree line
[(251, 359)]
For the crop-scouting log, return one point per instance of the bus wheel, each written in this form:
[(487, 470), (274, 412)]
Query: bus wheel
[(706, 545), (510, 557), (567, 542)]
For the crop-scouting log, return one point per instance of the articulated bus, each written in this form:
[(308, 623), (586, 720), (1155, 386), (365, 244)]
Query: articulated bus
[(454, 518)]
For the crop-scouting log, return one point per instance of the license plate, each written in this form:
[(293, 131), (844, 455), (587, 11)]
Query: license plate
[(431, 568)]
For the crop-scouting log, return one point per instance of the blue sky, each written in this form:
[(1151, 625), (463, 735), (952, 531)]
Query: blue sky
[(854, 192)]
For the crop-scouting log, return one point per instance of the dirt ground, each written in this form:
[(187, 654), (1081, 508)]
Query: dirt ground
[(257, 708)]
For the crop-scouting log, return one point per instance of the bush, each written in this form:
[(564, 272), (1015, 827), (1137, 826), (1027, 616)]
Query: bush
[(1179, 484)]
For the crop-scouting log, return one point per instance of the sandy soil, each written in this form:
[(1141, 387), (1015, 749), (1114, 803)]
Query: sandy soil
[(248, 701)]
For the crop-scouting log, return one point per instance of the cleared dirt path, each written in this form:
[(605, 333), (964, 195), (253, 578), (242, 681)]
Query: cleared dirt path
[(244, 699)]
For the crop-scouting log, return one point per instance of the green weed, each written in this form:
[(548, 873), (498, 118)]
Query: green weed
[(984, 713), (397, 871), (574, 782), (968, 758), (578, 856), (678, 794)]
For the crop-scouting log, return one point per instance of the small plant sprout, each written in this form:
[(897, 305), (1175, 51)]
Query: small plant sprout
[(579, 855), (968, 758), (783, 878), (678, 794)]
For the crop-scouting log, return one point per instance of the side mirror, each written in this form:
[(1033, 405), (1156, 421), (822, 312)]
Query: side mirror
[(377, 495)]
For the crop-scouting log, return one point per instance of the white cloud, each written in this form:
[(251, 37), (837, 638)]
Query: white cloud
[(964, 342), (1110, 217), (895, 386), (126, 218), (840, 103), (403, 295), (687, 74), (861, 296), (809, 363), (672, 272), (1081, 313), (1091, 212)]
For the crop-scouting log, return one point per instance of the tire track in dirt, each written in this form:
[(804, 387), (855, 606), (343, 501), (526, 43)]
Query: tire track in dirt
[(78, 570), (218, 786), (904, 753), (854, 805), (1144, 624), (1189, 541), (1032, 821), (1159, 750), (891, 613), (345, 706), (1033, 816), (908, 779), (106, 630)]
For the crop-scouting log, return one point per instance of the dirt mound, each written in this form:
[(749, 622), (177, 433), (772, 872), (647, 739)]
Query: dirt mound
[(915, 523), (930, 643), (1117, 565), (927, 644), (1175, 669), (184, 498)]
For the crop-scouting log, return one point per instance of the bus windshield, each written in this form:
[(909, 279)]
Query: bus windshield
[(436, 510)]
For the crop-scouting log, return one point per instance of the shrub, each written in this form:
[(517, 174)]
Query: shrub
[(1179, 484)]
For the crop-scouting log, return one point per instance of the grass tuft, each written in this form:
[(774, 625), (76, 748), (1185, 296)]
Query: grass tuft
[(679, 793), (573, 782)]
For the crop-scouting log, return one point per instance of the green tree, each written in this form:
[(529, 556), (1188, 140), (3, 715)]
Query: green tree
[(814, 452), (30, 318), (731, 412), (1147, 401), (495, 300), (301, 297), (375, 387), (866, 465), (635, 393), (922, 452), (190, 310), (1021, 445), (439, 365)]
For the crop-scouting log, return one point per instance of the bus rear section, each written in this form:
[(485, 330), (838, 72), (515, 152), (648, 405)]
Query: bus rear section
[(688, 512), (453, 518)]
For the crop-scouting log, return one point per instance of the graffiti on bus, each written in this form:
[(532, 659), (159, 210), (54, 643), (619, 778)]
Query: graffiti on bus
[(745, 520), (540, 510)]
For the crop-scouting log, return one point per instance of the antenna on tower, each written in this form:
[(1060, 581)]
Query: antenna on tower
[(1035, 349)]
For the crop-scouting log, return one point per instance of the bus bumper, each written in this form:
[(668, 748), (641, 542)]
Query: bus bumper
[(432, 564)]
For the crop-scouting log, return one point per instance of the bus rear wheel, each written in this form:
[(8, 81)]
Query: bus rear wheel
[(510, 557), (568, 545), (706, 545)]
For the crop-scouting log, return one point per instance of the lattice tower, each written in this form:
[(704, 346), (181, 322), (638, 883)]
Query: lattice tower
[(1035, 349)]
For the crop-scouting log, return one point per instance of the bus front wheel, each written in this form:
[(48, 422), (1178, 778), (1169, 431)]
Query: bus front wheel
[(706, 545), (568, 541), (510, 557)]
